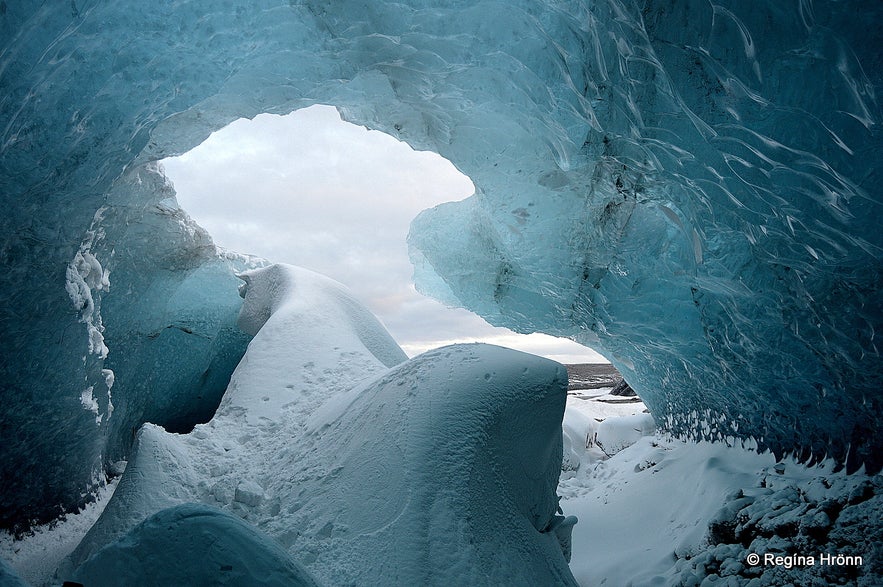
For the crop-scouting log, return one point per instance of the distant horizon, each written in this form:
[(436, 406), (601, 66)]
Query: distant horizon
[(317, 191)]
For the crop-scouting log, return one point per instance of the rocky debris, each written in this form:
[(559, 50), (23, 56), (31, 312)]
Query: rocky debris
[(822, 532), (591, 376), (623, 389)]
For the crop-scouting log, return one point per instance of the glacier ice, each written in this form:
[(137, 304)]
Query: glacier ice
[(160, 551), (334, 445), (714, 233), (691, 187), (9, 577), (80, 385)]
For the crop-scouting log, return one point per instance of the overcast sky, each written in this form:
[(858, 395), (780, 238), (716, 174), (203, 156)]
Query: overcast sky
[(311, 190)]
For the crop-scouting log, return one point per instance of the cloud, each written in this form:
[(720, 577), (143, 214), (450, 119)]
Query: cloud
[(311, 190)]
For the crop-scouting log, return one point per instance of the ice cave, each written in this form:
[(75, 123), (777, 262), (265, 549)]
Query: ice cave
[(690, 187)]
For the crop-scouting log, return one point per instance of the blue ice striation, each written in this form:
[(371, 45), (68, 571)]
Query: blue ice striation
[(690, 187)]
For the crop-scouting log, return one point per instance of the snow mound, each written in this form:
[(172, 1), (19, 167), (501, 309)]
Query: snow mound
[(440, 470), (310, 303), (447, 465), (317, 325)]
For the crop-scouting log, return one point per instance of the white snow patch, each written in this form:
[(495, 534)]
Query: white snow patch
[(89, 402), (36, 556), (109, 379), (586, 411), (648, 500), (615, 434), (85, 275)]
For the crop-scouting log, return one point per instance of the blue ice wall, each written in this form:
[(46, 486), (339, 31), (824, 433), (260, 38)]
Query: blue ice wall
[(690, 187), (715, 230), (145, 330)]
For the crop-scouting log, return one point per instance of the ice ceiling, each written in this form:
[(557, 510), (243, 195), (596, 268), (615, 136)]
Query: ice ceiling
[(691, 187)]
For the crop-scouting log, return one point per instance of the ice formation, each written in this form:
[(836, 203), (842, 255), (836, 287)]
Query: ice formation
[(8, 577), (440, 469), (691, 187), (161, 551)]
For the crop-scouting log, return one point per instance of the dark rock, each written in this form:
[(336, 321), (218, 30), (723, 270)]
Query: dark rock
[(623, 389)]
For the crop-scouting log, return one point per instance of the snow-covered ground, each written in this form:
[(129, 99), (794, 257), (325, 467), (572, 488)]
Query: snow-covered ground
[(667, 512), (36, 556), (658, 512)]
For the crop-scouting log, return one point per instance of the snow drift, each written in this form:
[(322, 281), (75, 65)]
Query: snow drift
[(440, 469)]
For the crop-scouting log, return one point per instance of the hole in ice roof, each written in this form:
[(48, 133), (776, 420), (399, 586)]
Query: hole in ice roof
[(312, 190)]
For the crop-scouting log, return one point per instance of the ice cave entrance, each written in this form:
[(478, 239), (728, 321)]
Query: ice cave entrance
[(312, 190)]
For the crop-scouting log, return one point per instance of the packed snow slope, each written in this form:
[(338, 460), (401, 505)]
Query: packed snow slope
[(368, 468), (691, 187)]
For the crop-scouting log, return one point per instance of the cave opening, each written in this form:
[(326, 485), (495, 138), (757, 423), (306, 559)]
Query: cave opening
[(312, 190)]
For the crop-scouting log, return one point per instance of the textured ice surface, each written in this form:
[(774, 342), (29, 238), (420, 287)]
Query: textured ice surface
[(440, 470), (193, 544), (690, 186), (712, 229), (83, 374), (8, 577)]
